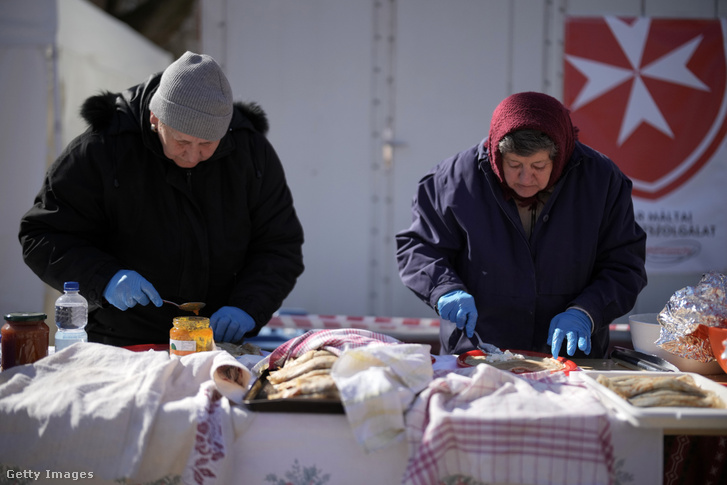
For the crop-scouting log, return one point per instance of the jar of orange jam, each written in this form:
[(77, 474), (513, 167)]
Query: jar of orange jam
[(24, 339), (189, 335)]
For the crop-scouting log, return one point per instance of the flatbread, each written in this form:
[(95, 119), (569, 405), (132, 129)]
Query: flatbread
[(314, 386), (661, 391), (308, 376), (306, 357), (291, 372), (518, 364)]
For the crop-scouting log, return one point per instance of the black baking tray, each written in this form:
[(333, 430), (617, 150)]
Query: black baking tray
[(256, 400)]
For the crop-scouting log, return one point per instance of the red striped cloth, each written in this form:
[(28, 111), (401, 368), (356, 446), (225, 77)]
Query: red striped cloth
[(335, 341), (495, 427), (380, 324)]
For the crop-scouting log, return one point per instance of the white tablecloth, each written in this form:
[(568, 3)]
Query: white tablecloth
[(283, 447), (186, 425)]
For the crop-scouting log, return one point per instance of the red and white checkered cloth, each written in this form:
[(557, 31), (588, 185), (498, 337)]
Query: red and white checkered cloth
[(335, 341), (495, 427)]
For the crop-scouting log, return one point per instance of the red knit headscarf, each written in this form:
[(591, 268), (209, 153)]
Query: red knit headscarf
[(532, 111)]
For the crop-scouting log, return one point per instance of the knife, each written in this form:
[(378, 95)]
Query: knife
[(484, 346), (476, 340), (641, 360)]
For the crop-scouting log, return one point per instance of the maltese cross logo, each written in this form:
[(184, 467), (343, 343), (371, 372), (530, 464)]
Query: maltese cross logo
[(648, 93)]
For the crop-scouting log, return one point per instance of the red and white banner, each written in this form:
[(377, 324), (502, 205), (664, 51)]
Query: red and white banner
[(651, 94)]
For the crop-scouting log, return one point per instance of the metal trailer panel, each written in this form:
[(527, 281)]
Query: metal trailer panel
[(364, 96)]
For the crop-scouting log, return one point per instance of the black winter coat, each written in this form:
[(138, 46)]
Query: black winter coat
[(224, 232)]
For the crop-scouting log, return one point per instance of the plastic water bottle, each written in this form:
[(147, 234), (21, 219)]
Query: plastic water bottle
[(71, 316)]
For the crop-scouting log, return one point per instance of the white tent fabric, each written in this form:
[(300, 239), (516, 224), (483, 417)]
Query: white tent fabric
[(53, 54), (27, 138)]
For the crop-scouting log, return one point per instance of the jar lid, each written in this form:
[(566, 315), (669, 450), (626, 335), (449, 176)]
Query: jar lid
[(25, 317)]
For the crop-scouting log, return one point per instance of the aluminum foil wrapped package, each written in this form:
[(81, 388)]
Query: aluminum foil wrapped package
[(687, 314)]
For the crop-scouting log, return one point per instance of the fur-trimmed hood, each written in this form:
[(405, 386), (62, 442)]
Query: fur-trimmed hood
[(129, 110)]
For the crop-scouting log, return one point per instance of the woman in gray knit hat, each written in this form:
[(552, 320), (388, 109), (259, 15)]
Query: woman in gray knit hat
[(172, 192)]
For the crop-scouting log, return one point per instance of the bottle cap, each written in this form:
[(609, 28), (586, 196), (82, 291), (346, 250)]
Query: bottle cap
[(70, 286)]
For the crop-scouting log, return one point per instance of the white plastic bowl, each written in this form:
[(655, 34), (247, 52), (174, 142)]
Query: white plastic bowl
[(645, 331)]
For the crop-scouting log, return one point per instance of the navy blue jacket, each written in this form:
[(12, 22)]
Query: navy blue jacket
[(585, 249)]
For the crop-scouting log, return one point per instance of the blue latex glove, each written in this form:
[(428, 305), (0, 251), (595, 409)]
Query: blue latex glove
[(573, 324), (459, 307), (127, 288), (230, 324)]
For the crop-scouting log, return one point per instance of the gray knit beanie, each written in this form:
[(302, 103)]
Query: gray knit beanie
[(194, 97)]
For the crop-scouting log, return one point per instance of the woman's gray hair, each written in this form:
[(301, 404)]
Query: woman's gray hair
[(526, 142)]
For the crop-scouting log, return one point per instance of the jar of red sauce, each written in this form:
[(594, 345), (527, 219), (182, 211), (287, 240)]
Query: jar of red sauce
[(24, 339)]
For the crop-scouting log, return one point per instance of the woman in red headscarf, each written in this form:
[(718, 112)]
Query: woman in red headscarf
[(528, 237)]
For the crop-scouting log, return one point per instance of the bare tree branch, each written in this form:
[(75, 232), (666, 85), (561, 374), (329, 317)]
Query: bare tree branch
[(159, 21)]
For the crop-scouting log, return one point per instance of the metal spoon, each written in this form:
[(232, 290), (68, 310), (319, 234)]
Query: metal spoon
[(192, 306)]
